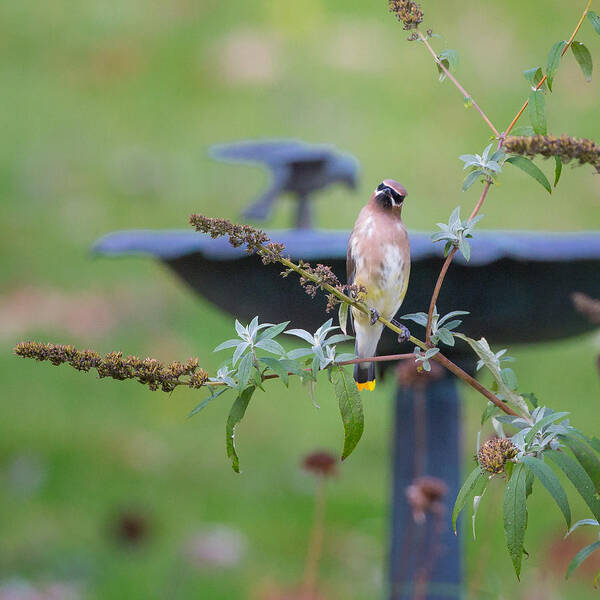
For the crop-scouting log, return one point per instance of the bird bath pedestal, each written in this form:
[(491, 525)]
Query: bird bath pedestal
[(509, 286)]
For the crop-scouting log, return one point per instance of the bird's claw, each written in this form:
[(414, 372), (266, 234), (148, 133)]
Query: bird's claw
[(404, 336), (374, 316)]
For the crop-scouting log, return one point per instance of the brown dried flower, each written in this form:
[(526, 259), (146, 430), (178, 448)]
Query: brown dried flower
[(494, 454), (321, 463), (409, 13), (568, 148), (148, 371), (425, 495)]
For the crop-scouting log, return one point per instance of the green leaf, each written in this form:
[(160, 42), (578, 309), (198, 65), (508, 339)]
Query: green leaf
[(449, 58), (547, 420), (532, 399), (476, 476), (515, 515), (581, 556), (228, 344), (528, 166), (550, 481), (490, 410), (578, 477), (292, 366), (580, 523), (594, 20), (471, 178), (537, 112), (557, 169), (271, 346), (584, 58), (534, 76), (273, 331), (351, 410), (244, 370), (236, 414), (594, 443), (586, 457), (206, 401), (509, 377), (553, 62), (277, 368), (523, 130), (343, 317)]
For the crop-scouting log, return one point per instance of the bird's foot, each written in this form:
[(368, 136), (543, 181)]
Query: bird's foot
[(405, 335), (374, 316)]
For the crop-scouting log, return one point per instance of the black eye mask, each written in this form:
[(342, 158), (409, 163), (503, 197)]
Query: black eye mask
[(398, 198)]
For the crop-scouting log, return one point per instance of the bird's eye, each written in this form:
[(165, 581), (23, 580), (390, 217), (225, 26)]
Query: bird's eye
[(381, 186)]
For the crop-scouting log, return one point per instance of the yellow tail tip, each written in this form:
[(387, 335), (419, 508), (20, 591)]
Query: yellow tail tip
[(368, 385)]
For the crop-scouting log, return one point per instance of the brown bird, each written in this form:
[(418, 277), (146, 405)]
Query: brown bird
[(379, 260)]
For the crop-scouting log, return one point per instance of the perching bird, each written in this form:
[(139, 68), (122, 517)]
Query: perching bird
[(296, 167), (378, 259)]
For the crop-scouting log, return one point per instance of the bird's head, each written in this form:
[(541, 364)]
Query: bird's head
[(390, 194)]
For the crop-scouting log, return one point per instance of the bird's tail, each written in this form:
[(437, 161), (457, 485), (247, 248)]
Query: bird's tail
[(364, 375)]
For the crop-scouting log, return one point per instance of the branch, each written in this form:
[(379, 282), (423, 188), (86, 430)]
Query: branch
[(455, 82), (541, 83)]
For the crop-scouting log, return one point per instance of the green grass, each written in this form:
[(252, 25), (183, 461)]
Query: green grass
[(86, 86)]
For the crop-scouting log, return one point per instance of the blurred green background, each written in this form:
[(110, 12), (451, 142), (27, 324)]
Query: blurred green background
[(106, 112)]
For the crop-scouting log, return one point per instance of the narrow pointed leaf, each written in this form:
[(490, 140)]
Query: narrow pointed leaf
[(476, 476), (239, 351), (528, 166), (277, 367), (244, 371), (236, 414), (343, 317), (301, 333), (578, 477), (534, 76), (515, 515), (586, 457), (537, 112), (543, 423), (471, 178), (550, 481), (557, 169), (351, 410), (273, 331), (594, 20), (584, 58), (582, 522), (552, 66), (581, 556), (228, 344), (271, 346), (206, 401)]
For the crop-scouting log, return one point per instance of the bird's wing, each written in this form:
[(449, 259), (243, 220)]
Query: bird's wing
[(350, 272), (269, 152)]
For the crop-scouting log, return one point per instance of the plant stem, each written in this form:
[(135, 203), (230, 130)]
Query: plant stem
[(541, 83), (444, 270), (455, 82), (315, 544)]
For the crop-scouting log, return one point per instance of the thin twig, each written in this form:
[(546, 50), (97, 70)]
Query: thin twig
[(545, 77), (455, 82), (444, 270)]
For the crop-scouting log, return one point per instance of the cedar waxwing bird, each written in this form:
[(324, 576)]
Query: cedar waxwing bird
[(296, 168), (378, 259)]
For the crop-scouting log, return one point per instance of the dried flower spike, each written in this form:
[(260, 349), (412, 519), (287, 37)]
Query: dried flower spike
[(148, 371), (409, 13), (568, 148)]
